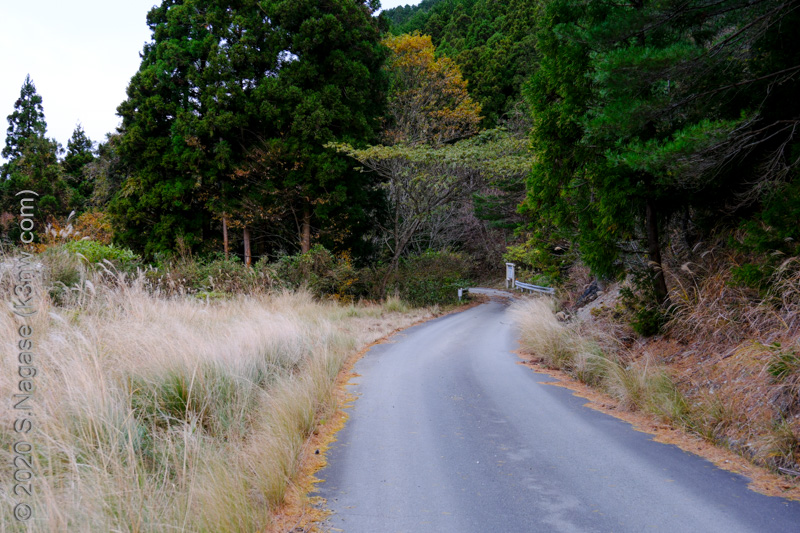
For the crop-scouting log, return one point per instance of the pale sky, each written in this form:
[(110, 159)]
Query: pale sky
[(80, 54)]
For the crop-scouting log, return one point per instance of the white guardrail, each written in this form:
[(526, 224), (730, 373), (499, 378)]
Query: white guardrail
[(533, 288)]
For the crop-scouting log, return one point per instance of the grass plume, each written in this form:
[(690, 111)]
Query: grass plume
[(174, 413)]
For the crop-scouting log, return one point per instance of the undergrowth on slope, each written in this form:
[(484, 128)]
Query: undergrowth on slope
[(169, 412), (726, 366), (596, 358)]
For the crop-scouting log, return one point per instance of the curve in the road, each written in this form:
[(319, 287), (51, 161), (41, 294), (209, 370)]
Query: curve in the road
[(450, 434)]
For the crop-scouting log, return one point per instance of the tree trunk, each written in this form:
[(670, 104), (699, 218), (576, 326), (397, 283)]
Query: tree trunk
[(246, 236), (654, 251), (225, 236), (392, 268), (305, 235), (401, 242)]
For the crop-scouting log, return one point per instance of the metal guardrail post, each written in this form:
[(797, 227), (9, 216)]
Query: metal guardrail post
[(533, 288)]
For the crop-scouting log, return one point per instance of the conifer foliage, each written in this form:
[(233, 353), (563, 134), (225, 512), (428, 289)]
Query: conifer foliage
[(26, 122), (645, 112), (225, 121), (32, 157), (80, 152)]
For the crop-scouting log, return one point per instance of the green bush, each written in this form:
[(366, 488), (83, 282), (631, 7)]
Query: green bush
[(431, 278), (215, 275), (648, 321), (324, 273), (94, 252), (750, 275), (770, 237), (542, 255), (775, 229), (646, 317)]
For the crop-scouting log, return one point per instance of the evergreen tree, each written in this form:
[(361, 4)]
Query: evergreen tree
[(557, 195), (651, 110), (80, 152), (26, 121), (32, 157), (192, 110), (329, 88), (224, 81)]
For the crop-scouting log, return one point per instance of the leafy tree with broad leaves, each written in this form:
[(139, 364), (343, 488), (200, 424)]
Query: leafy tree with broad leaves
[(428, 98), (431, 189), (491, 41), (428, 106)]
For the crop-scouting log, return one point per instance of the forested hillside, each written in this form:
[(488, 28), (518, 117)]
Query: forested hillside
[(491, 40), (643, 152), (402, 14), (557, 132)]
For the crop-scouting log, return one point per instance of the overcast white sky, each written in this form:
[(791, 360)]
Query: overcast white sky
[(80, 54)]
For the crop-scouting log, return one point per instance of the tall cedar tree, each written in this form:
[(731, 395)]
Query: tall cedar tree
[(80, 152), (222, 81), (32, 157), (192, 109), (665, 107), (25, 122), (330, 89)]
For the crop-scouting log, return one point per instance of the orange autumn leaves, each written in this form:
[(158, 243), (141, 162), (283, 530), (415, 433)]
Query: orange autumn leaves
[(428, 100)]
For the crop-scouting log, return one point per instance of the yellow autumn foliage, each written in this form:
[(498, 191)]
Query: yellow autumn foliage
[(428, 101)]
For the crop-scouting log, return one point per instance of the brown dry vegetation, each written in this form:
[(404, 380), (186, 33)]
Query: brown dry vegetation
[(161, 414), (727, 366), (735, 354)]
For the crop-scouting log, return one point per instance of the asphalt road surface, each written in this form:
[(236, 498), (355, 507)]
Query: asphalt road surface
[(450, 434)]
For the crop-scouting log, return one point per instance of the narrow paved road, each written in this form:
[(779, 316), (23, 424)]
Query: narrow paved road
[(450, 434)]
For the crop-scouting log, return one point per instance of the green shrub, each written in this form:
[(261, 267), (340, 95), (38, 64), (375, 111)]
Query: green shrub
[(775, 229), (543, 254), (95, 252), (432, 278), (324, 273), (646, 317), (750, 275)]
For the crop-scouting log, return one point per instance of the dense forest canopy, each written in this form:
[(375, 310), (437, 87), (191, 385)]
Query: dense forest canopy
[(491, 40), (226, 118), (654, 114), (401, 14), (294, 179), (620, 130)]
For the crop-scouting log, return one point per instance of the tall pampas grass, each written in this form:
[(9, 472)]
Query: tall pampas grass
[(172, 414), (594, 357)]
